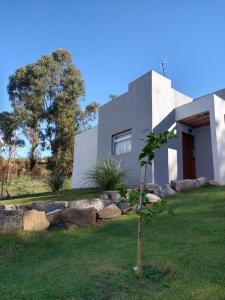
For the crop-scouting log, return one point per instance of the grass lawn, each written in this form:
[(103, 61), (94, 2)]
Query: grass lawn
[(68, 195), (96, 262), (25, 190), (29, 185)]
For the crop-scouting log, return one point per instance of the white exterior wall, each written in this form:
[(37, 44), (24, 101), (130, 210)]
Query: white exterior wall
[(167, 164), (85, 156), (164, 99), (203, 152), (172, 164), (216, 108), (218, 138)]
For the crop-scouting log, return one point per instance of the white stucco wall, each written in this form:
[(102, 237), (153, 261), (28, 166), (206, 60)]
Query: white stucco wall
[(218, 138), (203, 152), (164, 99), (216, 108), (172, 164), (168, 160), (85, 156)]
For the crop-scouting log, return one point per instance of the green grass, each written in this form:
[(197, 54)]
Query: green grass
[(66, 195), (25, 190), (96, 262), (29, 185)]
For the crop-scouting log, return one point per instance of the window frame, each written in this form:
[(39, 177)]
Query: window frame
[(120, 139)]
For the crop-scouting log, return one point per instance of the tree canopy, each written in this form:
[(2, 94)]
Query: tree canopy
[(46, 96)]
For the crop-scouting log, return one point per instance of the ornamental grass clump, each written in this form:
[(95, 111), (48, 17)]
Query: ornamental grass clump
[(108, 174), (56, 181)]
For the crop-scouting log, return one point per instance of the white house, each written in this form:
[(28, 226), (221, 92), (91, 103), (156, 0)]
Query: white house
[(151, 104)]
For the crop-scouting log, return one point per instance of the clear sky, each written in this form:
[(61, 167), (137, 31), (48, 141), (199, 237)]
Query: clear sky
[(115, 41)]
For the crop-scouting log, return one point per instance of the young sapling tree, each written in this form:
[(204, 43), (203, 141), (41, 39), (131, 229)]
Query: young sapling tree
[(154, 141)]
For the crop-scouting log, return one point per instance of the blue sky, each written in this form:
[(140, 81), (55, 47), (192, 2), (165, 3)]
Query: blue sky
[(115, 41)]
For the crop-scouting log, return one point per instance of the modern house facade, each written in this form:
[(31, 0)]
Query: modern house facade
[(151, 104)]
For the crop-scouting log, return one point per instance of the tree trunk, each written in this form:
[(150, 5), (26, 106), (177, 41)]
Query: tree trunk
[(34, 145), (142, 186), (139, 258), (32, 159), (2, 184), (140, 206)]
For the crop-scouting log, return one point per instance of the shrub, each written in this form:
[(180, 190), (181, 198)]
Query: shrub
[(107, 174), (55, 182)]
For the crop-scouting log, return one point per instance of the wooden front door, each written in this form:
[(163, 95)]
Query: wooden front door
[(188, 143)]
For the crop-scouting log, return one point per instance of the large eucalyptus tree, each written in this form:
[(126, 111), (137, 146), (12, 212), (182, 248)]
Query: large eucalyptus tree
[(47, 95)]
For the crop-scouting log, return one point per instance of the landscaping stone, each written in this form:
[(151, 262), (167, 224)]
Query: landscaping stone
[(73, 217), (180, 185), (166, 190), (200, 181), (10, 220), (10, 207), (154, 188), (213, 182), (109, 211), (49, 206), (34, 220), (24, 207), (111, 195), (152, 198), (124, 206), (97, 203), (54, 217)]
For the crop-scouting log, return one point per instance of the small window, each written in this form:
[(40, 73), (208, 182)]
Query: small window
[(122, 143)]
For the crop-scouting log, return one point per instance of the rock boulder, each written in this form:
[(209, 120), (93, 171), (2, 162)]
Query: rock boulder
[(73, 217), (124, 206), (97, 203), (200, 181), (213, 182), (154, 188), (9, 207), (54, 217), (166, 190), (49, 206), (11, 220), (180, 185), (34, 220), (109, 211), (152, 198)]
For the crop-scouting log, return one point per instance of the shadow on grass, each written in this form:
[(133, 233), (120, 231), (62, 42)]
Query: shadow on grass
[(66, 195), (98, 261)]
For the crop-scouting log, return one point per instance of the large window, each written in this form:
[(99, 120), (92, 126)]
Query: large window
[(122, 143)]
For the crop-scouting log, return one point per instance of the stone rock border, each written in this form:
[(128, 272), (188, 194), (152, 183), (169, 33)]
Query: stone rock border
[(79, 213), (39, 216)]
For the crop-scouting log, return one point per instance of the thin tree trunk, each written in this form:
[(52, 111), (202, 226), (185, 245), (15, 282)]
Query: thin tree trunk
[(34, 145), (32, 159), (142, 186), (8, 171), (2, 185), (139, 258), (140, 206)]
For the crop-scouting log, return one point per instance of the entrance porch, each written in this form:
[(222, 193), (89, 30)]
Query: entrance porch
[(201, 131)]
